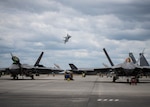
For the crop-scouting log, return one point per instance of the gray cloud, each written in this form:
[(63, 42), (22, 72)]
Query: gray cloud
[(29, 27), (132, 14), (33, 6)]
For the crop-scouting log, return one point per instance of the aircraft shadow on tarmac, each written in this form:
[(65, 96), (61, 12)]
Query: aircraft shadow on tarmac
[(123, 82), (28, 78)]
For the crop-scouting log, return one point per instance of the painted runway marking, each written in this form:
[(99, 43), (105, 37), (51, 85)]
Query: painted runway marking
[(105, 99), (115, 100), (110, 99), (99, 100)]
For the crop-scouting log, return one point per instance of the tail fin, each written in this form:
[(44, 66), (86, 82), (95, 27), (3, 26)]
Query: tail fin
[(108, 57), (105, 65), (39, 59), (57, 66), (143, 61), (132, 57), (73, 67)]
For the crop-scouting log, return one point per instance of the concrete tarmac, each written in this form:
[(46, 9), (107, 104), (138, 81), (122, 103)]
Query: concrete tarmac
[(91, 91)]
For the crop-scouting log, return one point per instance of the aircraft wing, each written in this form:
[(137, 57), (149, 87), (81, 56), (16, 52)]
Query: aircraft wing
[(32, 69), (107, 68), (3, 70), (146, 67), (103, 70), (89, 71), (146, 70), (121, 69), (77, 70), (81, 70), (47, 70)]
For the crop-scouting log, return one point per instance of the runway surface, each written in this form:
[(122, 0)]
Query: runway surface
[(91, 91)]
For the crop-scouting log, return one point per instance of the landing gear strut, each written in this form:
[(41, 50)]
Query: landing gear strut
[(114, 78), (32, 77), (15, 77)]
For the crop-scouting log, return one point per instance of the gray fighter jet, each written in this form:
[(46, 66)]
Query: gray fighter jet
[(67, 38), (127, 68), (76, 70), (17, 68)]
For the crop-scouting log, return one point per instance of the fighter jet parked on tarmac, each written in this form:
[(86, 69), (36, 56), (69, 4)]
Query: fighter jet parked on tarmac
[(127, 68), (17, 68), (76, 70), (67, 38), (22, 69)]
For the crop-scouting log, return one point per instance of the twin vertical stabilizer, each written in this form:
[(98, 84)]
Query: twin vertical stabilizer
[(108, 57)]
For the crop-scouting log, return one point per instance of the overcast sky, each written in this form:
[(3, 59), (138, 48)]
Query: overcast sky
[(28, 27)]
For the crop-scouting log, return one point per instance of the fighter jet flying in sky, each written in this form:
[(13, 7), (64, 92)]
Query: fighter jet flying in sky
[(67, 38)]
